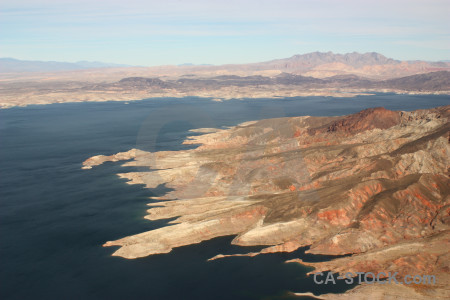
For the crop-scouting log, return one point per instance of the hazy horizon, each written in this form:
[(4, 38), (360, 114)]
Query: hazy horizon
[(188, 63), (151, 33)]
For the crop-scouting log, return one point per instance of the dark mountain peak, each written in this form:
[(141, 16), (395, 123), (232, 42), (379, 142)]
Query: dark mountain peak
[(368, 119), (371, 118), (139, 79), (141, 82)]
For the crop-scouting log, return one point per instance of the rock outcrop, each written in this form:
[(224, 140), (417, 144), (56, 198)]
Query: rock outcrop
[(374, 185)]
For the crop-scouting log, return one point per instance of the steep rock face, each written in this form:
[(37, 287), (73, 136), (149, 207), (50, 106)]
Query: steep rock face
[(358, 184)]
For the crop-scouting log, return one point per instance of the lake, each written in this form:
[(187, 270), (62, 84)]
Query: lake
[(54, 217)]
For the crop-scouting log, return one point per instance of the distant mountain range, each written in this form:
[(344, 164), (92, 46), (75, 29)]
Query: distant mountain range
[(12, 65), (317, 64), (430, 82), (328, 64), (313, 59)]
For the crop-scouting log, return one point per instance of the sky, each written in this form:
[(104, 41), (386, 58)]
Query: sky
[(163, 32)]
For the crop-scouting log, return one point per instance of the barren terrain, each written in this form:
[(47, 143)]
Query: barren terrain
[(374, 185), (313, 74)]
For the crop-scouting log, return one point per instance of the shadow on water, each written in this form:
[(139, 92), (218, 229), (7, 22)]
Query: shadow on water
[(186, 273)]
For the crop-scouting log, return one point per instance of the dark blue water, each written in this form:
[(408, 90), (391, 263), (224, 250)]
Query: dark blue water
[(54, 217)]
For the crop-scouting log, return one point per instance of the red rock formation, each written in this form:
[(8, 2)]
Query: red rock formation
[(367, 119)]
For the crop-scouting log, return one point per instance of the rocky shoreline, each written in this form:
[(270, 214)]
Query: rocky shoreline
[(10, 100)]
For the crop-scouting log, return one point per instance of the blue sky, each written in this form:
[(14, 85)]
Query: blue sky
[(164, 32)]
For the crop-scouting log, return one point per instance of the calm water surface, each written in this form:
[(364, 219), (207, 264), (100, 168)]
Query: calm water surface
[(54, 217)]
